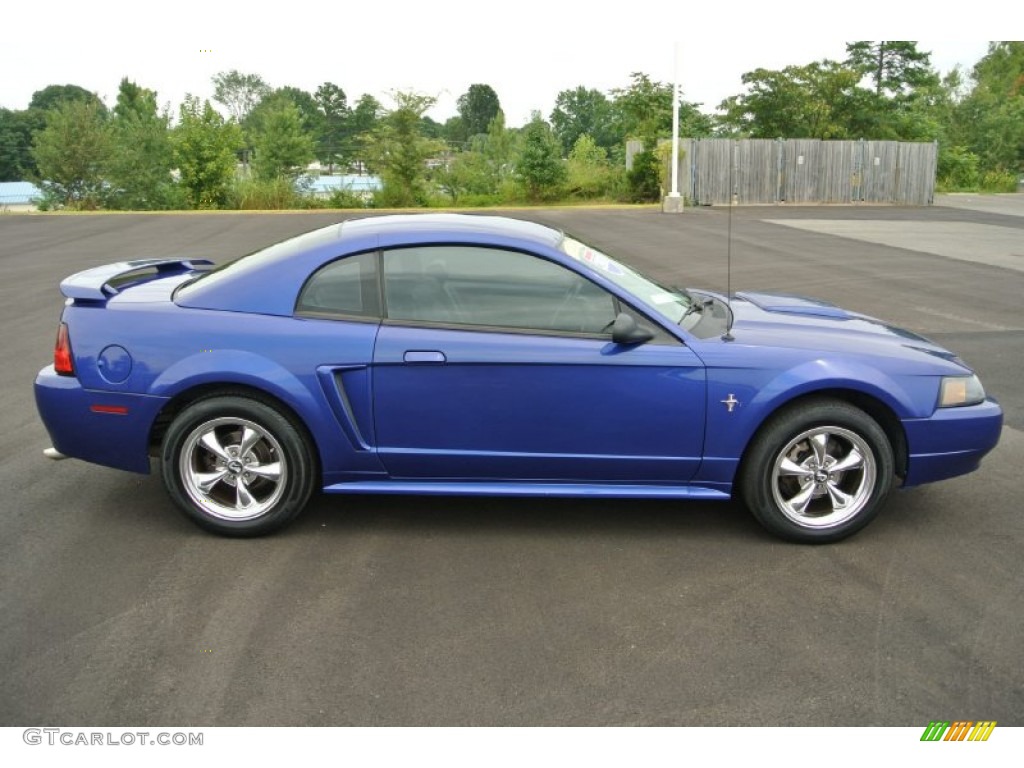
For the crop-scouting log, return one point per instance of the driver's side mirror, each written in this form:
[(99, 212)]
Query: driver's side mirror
[(626, 331)]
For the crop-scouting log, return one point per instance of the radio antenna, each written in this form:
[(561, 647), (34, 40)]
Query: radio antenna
[(727, 336)]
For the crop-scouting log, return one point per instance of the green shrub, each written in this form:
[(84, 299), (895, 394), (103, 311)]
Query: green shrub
[(958, 170), (539, 168), (590, 176), (999, 181), (346, 198), (264, 195), (394, 195), (644, 178)]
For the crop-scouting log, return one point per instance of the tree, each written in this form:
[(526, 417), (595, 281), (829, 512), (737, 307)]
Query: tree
[(483, 168), (334, 115), (72, 153), (274, 101), (239, 93), (477, 107), (455, 132), (990, 120), (430, 128), (52, 96), (365, 115), (583, 111), (498, 146), (19, 128), (905, 89), (819, 100), (362, 123), (400, 151), (829, 100), (306, 104), (693, 123), (539, 166), (204, 146), (894, 66), (10, 144), (1000, 72), (644, 109), (16, 130), (139, 170), (283, 148), (133, 101)]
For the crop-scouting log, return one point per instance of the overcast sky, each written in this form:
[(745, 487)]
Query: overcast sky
[(527, 50)]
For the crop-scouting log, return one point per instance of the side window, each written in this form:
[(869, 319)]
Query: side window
[(344, 287), (463, 285)]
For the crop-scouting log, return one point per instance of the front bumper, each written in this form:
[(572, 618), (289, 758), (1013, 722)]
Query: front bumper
[(951, 442), (89, 425)]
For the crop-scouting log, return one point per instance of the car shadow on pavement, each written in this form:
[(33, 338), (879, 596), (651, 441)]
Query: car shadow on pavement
[(491, 516)]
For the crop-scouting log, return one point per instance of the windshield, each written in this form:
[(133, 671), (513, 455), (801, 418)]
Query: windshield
[(670, 303)]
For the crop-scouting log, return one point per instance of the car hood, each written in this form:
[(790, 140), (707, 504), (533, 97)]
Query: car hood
[(783, 320)]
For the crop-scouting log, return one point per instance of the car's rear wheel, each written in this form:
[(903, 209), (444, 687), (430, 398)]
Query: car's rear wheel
[(237, 466), (817, 471)]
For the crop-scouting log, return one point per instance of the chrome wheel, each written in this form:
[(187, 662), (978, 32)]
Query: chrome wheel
[(823, 477), (233, 468)]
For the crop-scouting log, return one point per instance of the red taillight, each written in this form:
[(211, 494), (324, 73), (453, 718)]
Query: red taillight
[(62, 362)]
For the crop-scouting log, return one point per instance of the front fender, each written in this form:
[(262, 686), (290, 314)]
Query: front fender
[(758, 393), (902, 394)]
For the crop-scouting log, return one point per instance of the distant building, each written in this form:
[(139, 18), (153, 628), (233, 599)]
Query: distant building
[(19, 196), (325, 186)]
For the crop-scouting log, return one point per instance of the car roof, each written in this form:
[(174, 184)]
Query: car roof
[(457, 226), (267, 281)]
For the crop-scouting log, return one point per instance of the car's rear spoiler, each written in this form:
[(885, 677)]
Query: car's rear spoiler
[(100, 283)]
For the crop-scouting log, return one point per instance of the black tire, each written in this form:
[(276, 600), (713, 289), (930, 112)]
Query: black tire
[(802, 478), (236, 466)]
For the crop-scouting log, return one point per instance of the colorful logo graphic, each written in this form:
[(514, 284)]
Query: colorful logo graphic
[(961, 730)]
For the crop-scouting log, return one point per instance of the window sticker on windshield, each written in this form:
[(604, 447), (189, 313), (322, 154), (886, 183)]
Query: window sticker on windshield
[(592, 258), (602, 262), (573, 248), (663, 298)]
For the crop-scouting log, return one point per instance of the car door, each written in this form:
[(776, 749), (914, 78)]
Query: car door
[(495, 364)]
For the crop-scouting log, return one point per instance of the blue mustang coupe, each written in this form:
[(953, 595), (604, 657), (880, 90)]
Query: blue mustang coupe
[(449, 354)]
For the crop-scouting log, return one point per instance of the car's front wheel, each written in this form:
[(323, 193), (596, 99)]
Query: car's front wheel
[(236, 466), (817, 471)]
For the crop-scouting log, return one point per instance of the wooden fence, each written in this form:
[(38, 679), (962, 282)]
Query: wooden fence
[(804, 171)]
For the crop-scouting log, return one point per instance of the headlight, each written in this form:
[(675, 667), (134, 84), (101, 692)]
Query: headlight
[(960, 390)]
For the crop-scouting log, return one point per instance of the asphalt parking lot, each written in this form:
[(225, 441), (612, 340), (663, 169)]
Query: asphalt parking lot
[(398, 611)]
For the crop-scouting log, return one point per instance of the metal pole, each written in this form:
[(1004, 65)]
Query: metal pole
[(675, 124)]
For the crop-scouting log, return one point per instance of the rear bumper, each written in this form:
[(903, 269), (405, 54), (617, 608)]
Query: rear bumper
[(952, 442), (108, 428)]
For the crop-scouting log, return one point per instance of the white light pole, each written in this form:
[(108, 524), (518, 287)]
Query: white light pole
[(673, 203), (675, 123)]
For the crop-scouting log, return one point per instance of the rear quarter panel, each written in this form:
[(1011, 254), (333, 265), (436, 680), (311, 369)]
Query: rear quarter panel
[(175, 350)]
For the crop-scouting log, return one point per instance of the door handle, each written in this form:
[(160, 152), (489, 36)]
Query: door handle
[(424, 356)]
